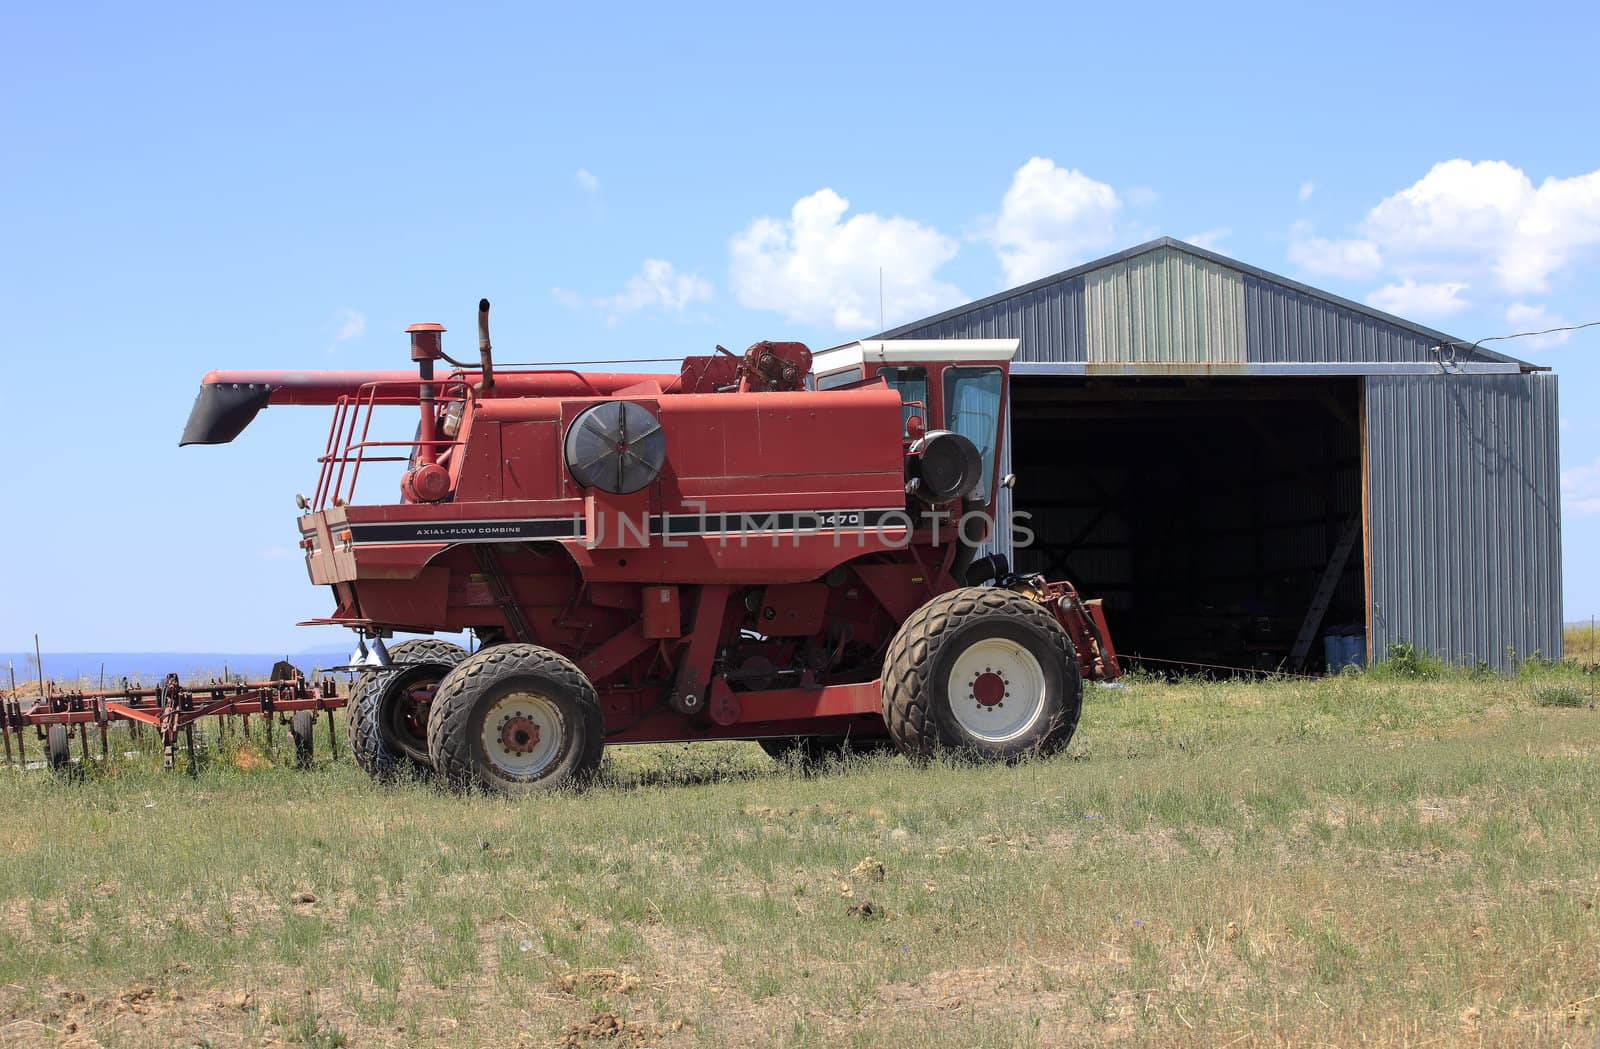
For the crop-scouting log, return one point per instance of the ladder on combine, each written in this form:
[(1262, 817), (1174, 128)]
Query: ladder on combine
[(1324, 595)]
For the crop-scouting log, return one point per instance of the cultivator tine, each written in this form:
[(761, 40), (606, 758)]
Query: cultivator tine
[(169, 722), (188, 734), (83, 743), (333, 742)]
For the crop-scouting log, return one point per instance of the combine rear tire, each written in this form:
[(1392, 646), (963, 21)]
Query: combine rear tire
[(982, 671), (427, 650), (385, 726), (515, 719)]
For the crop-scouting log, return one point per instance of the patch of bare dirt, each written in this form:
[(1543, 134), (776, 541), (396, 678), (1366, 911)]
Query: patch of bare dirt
[(610, 1028)]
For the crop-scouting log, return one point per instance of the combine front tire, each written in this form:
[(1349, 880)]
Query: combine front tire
[(982, 671), (515, 719)]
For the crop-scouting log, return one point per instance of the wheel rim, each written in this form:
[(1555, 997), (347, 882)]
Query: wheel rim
[(996, 690), (405, 718), (522, 733)]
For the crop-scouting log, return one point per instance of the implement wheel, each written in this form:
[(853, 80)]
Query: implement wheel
[(57, 747), (983, 671), (387, 717), (515, 719), (301, 728)]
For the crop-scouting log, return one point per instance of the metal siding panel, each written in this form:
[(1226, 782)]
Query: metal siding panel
[(1285, 325), (1048, 320), (1000, 541), (1465, 516), (1165, 307)]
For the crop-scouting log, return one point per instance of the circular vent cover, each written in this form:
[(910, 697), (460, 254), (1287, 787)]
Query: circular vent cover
[(949, 465), (615, 446)]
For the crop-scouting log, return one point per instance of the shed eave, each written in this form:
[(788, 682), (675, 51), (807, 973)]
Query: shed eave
[(1309, 369), (1220, 260)]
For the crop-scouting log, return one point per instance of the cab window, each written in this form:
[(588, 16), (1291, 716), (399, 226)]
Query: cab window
[(912, 382), (972, 409), (837, 379)]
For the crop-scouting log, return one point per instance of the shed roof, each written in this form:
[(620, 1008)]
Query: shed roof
[(1209, 310)]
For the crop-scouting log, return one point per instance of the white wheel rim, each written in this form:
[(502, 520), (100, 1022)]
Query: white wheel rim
[(522, 734), (996, 690)]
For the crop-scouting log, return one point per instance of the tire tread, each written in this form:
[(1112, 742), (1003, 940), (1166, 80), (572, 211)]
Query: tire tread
[(907, 692), (449, 718)]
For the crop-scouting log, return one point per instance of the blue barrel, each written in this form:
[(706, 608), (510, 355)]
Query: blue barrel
[(1355, 649), (1333, 651)]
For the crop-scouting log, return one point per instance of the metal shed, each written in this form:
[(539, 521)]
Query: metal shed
[(1241, 465)]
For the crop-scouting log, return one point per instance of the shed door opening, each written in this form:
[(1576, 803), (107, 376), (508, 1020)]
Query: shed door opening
[(1206, 511)]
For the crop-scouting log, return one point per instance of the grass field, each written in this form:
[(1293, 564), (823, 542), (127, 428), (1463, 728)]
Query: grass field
[(1367, 860)]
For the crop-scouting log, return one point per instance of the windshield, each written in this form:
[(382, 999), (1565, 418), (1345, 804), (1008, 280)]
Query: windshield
[(972, 409)]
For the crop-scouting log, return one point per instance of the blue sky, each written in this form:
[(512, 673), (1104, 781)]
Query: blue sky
[(187, 188)]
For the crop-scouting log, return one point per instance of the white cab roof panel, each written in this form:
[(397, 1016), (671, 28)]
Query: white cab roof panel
[(892, 351)]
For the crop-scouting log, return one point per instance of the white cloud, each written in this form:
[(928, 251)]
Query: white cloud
[(1425, 301), (658, 286), (1480, 225), (1211, 238), (1344, 259), (1464, 217), (1050, 219), (587, 181), (817, 267), (1524, 316), (1580, 490), (349, 324), (1306, 189)]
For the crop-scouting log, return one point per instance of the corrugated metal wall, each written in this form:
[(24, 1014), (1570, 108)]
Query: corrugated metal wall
[(1285, 325), (1048, 320), (1165, 306), (1000, 538), (1464, 515)]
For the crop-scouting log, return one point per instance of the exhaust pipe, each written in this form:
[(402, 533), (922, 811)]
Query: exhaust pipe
[(485, 351), (427, 346)]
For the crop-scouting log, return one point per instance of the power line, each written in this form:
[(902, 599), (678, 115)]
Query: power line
[(1546, 331), (1516, 335)]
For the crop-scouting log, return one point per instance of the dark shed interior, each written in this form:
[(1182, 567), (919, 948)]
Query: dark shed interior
[(1210, 513)]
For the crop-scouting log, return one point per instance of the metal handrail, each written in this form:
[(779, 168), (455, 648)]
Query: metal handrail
[(344, 449)]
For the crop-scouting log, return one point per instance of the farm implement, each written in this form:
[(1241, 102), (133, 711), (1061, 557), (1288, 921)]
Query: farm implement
[(768, 546), (171, 710)]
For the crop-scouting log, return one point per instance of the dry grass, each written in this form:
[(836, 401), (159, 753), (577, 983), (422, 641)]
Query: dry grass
[(1581, 645), (1354, 861)]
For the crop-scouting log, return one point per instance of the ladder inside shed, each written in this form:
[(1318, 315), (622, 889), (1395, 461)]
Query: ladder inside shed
[(1324, 595)]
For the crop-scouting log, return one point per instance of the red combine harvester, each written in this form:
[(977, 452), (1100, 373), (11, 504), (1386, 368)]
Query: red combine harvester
[(762, 546)]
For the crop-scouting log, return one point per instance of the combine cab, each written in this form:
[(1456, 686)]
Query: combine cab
[(763, 546)]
